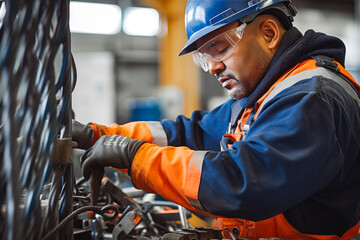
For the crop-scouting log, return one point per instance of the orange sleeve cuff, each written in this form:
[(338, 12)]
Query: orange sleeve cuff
[(135, 130)]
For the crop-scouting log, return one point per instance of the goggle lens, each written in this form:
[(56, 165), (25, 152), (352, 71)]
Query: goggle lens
[(218, 48)]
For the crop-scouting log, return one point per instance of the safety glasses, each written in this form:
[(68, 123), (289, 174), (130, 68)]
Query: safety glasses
[(218, 48)]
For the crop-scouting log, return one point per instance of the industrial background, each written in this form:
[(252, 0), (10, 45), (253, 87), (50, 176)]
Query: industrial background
[(124, 71), (115, 62)]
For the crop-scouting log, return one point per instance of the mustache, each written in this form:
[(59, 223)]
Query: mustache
[(223, 75)]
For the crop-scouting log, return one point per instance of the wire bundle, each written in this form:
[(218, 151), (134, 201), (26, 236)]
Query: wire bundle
[(35, 111)]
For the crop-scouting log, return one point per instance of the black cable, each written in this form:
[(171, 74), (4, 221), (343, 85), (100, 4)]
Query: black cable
[(99, 210)]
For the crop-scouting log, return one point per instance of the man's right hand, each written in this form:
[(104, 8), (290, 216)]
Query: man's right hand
[(82, 134), (110, 151)]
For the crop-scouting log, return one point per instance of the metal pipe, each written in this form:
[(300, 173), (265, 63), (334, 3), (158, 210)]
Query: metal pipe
[(183, 218)]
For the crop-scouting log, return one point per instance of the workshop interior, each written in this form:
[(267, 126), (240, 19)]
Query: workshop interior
[(106, 61)]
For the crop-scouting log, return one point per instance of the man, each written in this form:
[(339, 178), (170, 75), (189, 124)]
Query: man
[(289, 158)]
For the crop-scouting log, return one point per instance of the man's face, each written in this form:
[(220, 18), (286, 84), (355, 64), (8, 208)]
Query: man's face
[(242, 70)]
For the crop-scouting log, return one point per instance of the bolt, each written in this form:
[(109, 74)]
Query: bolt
[(236, 231)]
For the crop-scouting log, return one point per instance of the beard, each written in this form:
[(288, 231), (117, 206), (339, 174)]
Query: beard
[(237, 92)]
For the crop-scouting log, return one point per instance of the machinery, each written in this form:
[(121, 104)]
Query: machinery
[(119, 215)]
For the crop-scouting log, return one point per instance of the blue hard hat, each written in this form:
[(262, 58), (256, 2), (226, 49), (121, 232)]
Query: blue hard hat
[(205, 16)]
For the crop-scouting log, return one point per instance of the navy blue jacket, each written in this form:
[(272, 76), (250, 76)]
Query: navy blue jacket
[(301, 156)]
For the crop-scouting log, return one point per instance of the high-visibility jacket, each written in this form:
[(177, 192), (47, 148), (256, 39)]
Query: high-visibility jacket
[(143, 171), (278, 226), (299, 160)]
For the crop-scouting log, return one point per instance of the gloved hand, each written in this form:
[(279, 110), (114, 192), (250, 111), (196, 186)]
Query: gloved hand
[(110, 151), (82, 134)]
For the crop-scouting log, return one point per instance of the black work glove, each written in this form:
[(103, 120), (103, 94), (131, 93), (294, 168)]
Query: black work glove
[(82, 134), (110, 151)]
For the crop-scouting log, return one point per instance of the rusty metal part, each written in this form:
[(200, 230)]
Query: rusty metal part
[(63, 151)]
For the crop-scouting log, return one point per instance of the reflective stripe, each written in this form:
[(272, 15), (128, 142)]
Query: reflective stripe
[(158, 133), (324, 72), (193, 178)]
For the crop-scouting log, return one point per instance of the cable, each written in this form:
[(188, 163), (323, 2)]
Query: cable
[(97, 209), (231, 235), (32, 35)]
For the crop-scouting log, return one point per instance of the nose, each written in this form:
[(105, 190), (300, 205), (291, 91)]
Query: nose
[(215, 67)]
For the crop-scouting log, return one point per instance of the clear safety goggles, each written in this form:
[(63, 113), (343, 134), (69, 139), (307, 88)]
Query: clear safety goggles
[(218, 48)]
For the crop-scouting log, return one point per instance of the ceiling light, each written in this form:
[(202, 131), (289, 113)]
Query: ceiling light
[(141, 21), (95, 18)]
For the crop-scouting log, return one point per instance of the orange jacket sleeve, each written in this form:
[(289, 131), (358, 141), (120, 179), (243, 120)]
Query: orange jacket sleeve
[(151, 132), (172, 172)]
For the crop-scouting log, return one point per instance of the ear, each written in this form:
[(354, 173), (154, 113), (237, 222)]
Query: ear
[(271, 33)]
